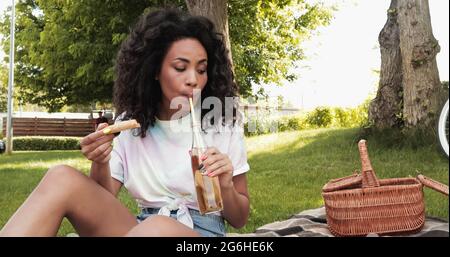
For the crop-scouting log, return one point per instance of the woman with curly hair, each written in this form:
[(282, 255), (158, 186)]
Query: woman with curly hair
[(168, 55)]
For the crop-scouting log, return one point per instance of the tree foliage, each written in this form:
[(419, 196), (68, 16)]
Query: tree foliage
[(65, 49), (266, 38), (3, 88)]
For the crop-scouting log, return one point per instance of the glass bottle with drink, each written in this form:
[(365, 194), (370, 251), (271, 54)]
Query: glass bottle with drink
[(209, 197)]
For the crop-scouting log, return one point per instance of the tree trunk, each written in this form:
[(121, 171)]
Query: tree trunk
[(386, 109), (421, 84), (217, 12)]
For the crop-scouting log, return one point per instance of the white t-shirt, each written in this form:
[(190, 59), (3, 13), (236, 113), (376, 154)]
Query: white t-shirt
[(157, 170)]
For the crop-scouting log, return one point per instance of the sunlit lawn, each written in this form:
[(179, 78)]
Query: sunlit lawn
[(287, 172)]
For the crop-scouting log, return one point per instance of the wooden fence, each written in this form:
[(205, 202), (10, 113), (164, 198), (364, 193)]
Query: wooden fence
[(50, 127), (82, 127)]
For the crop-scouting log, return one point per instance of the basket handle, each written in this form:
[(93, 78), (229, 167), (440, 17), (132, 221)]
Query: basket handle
[(433, 184), (369, 179)]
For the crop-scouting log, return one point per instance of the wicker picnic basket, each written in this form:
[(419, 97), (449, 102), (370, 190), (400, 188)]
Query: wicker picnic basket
[(362, 204)]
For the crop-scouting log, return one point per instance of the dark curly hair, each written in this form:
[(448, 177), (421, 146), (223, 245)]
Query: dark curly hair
[(137, 93)]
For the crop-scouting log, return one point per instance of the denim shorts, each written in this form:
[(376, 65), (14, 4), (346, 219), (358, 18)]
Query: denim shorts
[(208, 225)]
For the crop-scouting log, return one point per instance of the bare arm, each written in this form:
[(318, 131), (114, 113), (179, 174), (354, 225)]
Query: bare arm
[(236, 204), (101, 173), (97, 148)]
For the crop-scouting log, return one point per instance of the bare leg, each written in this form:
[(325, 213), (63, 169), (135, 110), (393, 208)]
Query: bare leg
[(162, 226), (66, 192)]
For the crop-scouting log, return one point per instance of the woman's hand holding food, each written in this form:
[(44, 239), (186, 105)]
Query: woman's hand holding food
[(97, 146)]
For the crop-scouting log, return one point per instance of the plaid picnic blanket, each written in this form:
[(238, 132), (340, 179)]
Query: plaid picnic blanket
[(313, 223)]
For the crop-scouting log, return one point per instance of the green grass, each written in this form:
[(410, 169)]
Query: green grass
[(289, 169), (22, 171), (287, 172)]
